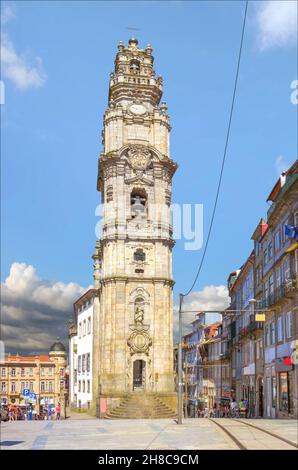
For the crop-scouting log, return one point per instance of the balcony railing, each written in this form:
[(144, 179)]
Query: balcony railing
[(286, 289)]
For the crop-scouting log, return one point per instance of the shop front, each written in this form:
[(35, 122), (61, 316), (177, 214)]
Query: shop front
[(285, 381)]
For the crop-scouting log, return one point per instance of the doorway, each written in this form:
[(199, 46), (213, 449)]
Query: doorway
[(261, 391), (139, 370)]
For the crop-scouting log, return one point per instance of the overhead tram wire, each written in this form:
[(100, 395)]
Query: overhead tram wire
[(181, 296), (224, 157)]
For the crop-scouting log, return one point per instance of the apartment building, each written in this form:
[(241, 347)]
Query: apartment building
[(43, 376), (81, 350)]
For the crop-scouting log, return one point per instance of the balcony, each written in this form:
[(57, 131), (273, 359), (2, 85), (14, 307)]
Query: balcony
[(254, 325), (287, 289)]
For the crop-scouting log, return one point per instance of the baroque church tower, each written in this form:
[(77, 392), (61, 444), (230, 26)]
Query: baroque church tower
[(133, 313)]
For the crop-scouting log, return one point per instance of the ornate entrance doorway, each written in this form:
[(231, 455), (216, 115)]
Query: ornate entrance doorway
[(139, 370)]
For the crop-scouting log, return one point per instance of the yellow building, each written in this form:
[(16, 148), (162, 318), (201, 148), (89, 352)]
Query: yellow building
[(44, 376)]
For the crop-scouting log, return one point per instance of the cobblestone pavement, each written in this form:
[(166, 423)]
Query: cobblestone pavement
[(146, 434)]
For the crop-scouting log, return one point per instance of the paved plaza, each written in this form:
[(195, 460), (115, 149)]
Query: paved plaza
[(88, 433)]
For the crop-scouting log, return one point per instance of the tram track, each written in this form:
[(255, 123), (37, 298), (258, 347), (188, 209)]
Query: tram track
[(239, 442), (287, 441)]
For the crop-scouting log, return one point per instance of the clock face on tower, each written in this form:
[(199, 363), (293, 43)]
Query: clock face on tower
[(137, 109)]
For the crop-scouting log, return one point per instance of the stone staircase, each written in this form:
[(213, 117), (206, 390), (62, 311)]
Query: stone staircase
[(141, 406)]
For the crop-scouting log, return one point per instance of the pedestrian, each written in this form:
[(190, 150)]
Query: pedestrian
[(10, 413), (49, 413), (206, 413), (233, 408), (58, 411), (30, 413)]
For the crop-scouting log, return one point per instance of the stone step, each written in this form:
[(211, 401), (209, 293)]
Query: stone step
[(141, 406)]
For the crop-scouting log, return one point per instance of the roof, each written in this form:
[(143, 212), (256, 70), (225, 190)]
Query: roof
[(57, 346), (89, 294), (17, 358), (281, 181)]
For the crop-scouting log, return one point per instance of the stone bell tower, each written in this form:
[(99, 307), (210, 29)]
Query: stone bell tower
[(133, 346)]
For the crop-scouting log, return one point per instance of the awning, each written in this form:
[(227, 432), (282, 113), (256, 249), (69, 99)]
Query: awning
[(292, 247)]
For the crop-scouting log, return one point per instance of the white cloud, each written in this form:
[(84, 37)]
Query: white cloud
[(18, 68), (277, 23), (209, 298), (35, 311), (281, 165), (7, 13)]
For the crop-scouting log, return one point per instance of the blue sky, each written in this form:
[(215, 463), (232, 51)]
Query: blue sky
[(52, 120)]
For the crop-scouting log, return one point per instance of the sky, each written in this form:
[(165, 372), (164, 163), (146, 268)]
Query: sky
[(56, 58)]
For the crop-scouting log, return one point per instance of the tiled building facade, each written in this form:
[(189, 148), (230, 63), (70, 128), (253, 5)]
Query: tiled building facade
[(258, 338)]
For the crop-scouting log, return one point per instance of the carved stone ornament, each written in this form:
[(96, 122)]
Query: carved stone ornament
[(139, 342), (139, 157)]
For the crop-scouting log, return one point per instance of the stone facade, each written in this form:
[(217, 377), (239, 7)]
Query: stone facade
[(132, 339)]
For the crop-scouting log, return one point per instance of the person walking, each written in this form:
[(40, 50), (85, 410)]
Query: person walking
[(10, 413), (50, 413), (233, 407), (58, 411)]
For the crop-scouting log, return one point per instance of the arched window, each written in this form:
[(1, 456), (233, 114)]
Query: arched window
[(135, 66), (138, 203)]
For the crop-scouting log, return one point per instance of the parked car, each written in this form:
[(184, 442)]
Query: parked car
[(3, 414)]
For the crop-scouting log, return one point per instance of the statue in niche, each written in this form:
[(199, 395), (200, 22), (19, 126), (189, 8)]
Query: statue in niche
[(139, 315)]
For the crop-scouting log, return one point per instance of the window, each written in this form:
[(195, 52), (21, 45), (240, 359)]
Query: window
[(31, 371), (42, 386), (50, 371), (89, 326), (13, 387), (88, 362), (79, 363), (61, 384), (50, 386), (284, 236), (3, 372), (13, 371), (287, 269), (265, 257), (138, 203), (272, 332), (79, 386), (267, 335), (88, 386), (278, 275), (270, 250), (289, 325), (283, 392), (279, 329), (31, 387), (271, 287), (83, 386), (80, 330), (61, 372), (22, 371), (84, 328), (83, 363), (277, 240), (273, 391), (42, 371), (3, 387)]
